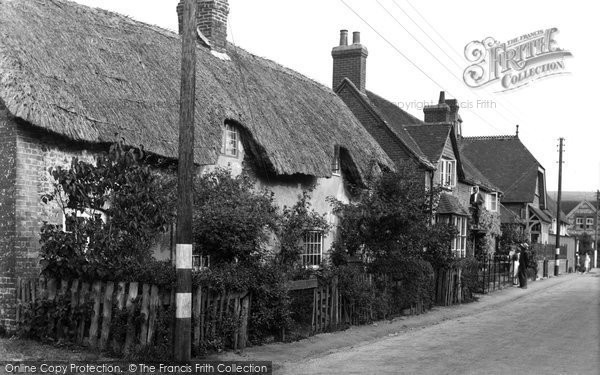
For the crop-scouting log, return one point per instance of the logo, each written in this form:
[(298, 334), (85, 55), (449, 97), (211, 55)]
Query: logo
[(515, 63)]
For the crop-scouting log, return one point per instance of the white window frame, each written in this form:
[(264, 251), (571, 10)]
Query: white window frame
[(459, 243), (448, 173), (579, 222), (88, 213), (312, 252), (231, 141), (336, 167), (491, 202), (200, 262), (589, 221)]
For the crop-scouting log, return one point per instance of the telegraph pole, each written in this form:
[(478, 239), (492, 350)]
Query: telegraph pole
[(560, 162), (596, 229), (185, 200)]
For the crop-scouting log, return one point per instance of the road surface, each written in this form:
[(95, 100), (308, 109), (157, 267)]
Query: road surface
[(553, 330)]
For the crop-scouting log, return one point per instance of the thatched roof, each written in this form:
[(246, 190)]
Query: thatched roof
[(89, 74)]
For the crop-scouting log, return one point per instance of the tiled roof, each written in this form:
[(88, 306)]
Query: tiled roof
[(509, 217), (474, 176), (449, 204), (540, 214), (431, 139), (392, 113), (506, 162), (551, 209), (395, 119)]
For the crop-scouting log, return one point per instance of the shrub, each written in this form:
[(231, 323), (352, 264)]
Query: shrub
[(232, 219)]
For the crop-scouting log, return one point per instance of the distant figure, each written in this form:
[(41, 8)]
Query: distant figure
[(523, 264), (587, 263), (516, 268)]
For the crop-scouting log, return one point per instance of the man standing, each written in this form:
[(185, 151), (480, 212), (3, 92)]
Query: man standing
[(476, 200)]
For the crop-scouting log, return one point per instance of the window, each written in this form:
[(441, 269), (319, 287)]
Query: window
[(589, 222), (313, 248), (491, 202), (579, 222), (200, 262), (231, 139), (335, 164), (72, 217), (459, 243), (448, 173)]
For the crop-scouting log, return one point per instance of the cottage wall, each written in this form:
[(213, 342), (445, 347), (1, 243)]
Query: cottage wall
[(8, 144)]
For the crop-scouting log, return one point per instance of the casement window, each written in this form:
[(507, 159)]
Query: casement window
[(589, 221), (200, 262), (579, 222), (459, 243), (71, 217), (448, 173), (312, 253), (231, 138), (491, 202), (335, 164)]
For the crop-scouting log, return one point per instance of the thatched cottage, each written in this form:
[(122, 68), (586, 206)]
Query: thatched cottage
[(433, 143), (74, 79)]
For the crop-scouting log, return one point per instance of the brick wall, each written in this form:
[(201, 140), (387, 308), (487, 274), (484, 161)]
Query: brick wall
[(36, 152), (7, 217), (388, 141), (352, 65)]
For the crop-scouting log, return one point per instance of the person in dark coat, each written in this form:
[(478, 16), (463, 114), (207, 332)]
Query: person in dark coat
[(523, 264)]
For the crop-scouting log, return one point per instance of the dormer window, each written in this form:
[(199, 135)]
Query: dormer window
[(335, 164), (231, 138), (448, 173)]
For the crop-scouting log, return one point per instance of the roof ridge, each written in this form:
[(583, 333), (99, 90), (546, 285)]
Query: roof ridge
[(482, 137)]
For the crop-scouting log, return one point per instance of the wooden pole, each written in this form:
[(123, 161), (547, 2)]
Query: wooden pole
[(185, 200), (557, 251)]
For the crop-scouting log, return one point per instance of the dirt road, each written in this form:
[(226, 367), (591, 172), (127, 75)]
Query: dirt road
[(551, 330)]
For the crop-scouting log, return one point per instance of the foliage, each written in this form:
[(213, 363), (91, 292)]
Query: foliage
[(585, 244), (438, 244), (489, 225), (295, 221), (469, 277), (512, 235), (392, 218), (270, 306), (232, 219), (134, 200)]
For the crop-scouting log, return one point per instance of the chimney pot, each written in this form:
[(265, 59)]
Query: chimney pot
[(343, 37), (356, 37), (442, 97)]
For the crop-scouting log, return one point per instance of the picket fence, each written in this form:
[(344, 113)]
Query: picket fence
[(107, 299)]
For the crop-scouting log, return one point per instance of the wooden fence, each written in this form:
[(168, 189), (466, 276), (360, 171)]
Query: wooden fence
[(448, 287), (93, 311)]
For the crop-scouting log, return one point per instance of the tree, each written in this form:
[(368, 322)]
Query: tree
[(233, 220), (393, 219), (115, 209)]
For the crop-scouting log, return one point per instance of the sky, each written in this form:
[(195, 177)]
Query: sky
[(398, 35)]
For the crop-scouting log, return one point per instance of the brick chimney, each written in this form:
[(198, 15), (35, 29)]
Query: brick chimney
[(350, 61), (211, 20), (445, 111), (438, 112)]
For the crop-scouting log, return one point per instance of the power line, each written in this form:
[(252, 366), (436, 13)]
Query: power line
[(448, 44), (430, 53), (410, 61)]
